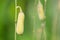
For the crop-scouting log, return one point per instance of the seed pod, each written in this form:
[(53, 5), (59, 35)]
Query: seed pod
[(20, 23), (40, 11)]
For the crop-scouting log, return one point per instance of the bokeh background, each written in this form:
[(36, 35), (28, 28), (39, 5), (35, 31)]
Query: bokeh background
[(7, 26)]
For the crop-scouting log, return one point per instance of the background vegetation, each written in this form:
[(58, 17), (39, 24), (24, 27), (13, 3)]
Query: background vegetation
[(7, 15)]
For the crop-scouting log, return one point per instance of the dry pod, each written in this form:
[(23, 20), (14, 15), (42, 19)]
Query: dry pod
[(40, 11), (20, 22)]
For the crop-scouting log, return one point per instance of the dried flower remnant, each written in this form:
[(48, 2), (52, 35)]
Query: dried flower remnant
[(20, 22), (40, 11)]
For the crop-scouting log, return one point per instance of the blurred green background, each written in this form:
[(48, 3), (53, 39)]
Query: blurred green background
[(7, 26)]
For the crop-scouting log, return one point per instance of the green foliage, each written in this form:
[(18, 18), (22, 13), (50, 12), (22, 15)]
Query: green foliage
[(52, 20), (7, 25)]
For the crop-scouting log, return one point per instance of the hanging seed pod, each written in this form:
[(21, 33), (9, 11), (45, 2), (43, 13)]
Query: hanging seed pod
[(40, 11), (20, 22)]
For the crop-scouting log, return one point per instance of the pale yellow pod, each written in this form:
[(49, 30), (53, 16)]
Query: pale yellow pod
[(45, 0), (40, 11), (20, 23)]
